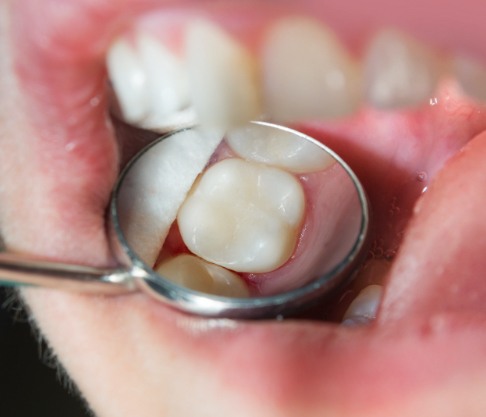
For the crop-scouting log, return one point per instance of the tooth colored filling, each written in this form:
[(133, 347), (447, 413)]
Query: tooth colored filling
[(243, 216)]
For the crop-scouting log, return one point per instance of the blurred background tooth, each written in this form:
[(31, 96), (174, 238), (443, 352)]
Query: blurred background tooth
[(307, 73), (223, 77), (129, 81), (243, 216), (167, 81), (471, 75), (364, 307), (278, 148), (198, 275), (399, 71)]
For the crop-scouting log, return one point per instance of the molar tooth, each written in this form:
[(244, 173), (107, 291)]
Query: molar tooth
[(278, 148), (364, 307), (198, 275), (243, 216), (471, 75), (399, 71), (307, 73), (223, 77), (129, 80)]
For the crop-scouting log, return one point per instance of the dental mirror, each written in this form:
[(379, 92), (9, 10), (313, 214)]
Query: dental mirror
[(260, 221)]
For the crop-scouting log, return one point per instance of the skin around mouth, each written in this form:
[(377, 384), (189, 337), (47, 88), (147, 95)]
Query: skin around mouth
[(129, 355)]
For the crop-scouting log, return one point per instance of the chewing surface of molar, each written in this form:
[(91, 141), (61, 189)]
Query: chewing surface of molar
[(196, 274), (307, 73), (223, 76), (243, 216), (364, 307), (278, 148), (399, 71), (471, 75), (155, 187)]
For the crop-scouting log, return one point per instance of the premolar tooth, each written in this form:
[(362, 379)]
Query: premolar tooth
[(129, 80), (223, 77), (157, 184), (472, 76), (243, 216), (167, 80), (198, 275), (399, 71), (364, 307), (278, 148), (307, 73)]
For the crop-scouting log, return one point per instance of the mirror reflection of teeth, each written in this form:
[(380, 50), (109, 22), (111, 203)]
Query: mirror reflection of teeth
[(283, 149), (243, 216), (168, 170), (192, 272), (299, 70)]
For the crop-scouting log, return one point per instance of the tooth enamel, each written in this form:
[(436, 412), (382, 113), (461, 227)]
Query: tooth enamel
[(364, 307), (278, 148), (243, 216), (198, 275), (223, 77), (167, 81), (156, 186), (129, 80), (307, 73), (398, 71), (472, 76)]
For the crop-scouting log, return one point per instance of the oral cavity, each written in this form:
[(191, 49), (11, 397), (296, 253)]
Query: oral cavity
[(296, 69)]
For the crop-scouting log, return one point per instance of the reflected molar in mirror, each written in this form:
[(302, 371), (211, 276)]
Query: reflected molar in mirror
[(257, 211)]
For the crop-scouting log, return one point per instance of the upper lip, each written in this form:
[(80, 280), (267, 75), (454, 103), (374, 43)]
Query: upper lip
[(327, 357)]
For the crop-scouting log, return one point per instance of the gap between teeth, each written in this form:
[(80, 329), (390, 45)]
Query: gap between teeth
[(299, 71)]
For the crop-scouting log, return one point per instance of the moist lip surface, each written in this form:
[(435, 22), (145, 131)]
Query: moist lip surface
[(428, 341)]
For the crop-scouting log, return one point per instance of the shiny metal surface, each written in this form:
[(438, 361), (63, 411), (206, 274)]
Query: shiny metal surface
[(135, 274)]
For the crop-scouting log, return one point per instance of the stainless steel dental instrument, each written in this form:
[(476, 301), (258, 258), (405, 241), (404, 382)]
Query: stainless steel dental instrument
[(266, 143)]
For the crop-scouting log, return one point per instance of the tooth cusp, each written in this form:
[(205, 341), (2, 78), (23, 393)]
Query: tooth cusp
[(196, 274), (278, 148), (243, 216)]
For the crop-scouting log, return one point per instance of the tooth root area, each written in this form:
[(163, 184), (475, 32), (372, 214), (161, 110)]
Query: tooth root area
[(399, 71), (150, 82), (196, 274), (278, 148), (223, 77), (364, 307), (307, 73), (243, 216)]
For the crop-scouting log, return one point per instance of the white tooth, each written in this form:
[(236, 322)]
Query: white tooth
[(167, 80), (156, 186), (399, 71), (278, 148), (307, 73), (129, 80), (243, 216), (198, 275), (471, 74), (223, 77), (364, 307)]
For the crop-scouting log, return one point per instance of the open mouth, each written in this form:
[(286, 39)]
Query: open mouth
[(418, 151)]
